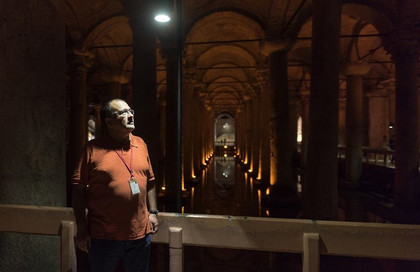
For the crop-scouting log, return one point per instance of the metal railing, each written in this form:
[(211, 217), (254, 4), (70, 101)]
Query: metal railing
[(308, 237), (376, 156)]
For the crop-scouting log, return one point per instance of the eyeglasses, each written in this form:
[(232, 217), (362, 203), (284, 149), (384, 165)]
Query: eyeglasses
[(125, 112)]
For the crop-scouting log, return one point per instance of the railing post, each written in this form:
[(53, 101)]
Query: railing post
[(68, 253), (176, 255), (310, 252)]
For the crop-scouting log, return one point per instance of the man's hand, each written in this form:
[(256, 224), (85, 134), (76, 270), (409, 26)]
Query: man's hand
[(154, 223), (82, 239)]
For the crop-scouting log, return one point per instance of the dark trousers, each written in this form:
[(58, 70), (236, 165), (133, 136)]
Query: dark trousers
[(104, 255)]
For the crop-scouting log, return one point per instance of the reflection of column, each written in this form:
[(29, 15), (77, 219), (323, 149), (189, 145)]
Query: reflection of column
[(320, 183), (404, 47), (354, 121), (78, 107)]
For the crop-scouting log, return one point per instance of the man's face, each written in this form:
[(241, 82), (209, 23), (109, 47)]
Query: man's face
[(123, 118)]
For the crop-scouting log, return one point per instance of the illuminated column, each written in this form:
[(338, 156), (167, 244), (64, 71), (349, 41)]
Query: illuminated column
[(264, 152), (354, 121), (281, 166), (238, 131), (248, 130), (256, 134), (198, 93), (188, 126), (320, 196), (404, 48)]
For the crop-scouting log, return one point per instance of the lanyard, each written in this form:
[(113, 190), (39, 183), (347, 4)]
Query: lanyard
[(129, 167)]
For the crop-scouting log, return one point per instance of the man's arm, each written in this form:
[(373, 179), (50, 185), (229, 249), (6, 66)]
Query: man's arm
[(152, 204), (79, 208)]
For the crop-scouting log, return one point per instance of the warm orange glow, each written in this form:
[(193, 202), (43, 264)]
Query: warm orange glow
[(192, 173), (192, 197), (182, 181), (267, 212), (251, 183), (163, 188), (267, 192), (225, 146)]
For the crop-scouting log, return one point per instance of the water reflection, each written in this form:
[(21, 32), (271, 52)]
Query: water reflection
[(224, 189)]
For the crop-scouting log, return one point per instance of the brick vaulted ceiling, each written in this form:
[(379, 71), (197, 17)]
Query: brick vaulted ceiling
[(223, 41)]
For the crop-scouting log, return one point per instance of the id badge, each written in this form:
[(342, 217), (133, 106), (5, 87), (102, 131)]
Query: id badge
[(134, 186)]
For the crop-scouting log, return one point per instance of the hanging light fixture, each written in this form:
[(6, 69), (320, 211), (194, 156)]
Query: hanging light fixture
[(163, 10)]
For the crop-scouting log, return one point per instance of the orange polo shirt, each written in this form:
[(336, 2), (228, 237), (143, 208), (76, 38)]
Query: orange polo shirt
[(113, 212)]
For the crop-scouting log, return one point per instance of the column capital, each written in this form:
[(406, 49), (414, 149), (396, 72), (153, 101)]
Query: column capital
[(403, 45), (269, 46), (355, 69), (82, 60)]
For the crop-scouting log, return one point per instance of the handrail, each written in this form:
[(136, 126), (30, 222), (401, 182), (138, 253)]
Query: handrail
[(57, 221), (376, 156), (309, 237)]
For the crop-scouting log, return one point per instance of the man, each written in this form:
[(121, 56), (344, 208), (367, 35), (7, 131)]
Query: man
[(114, 181)]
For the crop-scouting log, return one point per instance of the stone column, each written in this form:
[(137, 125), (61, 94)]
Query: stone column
[(144, 93), (354, 121), (305, 124), (115, 88), (404, 47), (378, 116), (78, 108), (248, 131), (256, 142), (280, 126), (188, 126), (33, 121), (198, 93), (320, 183), (264, 131), (171, 129)]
